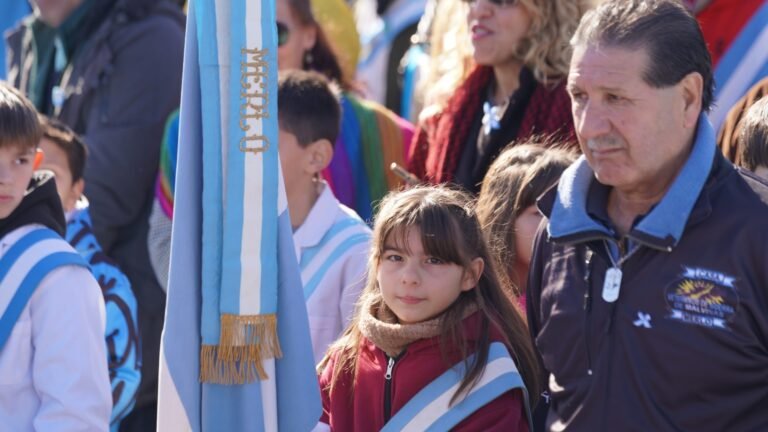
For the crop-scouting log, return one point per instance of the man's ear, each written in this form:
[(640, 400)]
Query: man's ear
[(320, 155), (693, 90), (472, 274)]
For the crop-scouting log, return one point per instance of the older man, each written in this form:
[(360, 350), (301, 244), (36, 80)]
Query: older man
[(648, 290)]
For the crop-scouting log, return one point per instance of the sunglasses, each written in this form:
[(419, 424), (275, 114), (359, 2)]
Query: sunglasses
[(282, 34), (495, 2)]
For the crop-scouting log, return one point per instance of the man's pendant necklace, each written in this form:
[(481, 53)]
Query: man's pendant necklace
[(612, 283)]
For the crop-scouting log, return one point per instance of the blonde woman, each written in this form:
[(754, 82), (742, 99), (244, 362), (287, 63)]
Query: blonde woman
[(517, 89), (449, 59)]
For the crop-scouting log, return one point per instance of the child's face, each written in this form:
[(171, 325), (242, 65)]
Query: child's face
[(418, 287), (526, 224), (16, 167), (291, 159), (56, 161)]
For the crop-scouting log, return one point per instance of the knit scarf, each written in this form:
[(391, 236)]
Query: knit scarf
[(379, 325), (463, 107)]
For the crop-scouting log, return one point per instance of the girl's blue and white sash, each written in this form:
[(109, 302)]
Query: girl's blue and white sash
[(24, 266), (430, 410)]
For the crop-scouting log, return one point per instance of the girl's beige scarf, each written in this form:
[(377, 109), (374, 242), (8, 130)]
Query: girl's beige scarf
[(379, 325)]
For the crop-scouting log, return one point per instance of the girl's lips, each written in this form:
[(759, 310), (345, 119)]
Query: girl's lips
[(410, 300), (6, 197)]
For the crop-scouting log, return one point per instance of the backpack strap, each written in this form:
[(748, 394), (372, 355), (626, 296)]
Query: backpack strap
[(24, 266), (430, 409)]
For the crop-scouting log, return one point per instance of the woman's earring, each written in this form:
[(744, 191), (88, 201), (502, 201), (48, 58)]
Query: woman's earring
[(308, 59)]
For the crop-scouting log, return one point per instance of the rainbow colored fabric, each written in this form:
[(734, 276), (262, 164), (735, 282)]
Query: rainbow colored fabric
[(371, 138), (166, 178)]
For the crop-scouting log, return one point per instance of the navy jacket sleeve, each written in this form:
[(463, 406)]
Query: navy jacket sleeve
[(533, 302)]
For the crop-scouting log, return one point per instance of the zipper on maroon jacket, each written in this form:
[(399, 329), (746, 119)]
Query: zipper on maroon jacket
[(388, 386), (588, 307)]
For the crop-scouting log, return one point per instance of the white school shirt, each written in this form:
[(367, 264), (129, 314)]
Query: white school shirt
[(332, 251), (53, 368)]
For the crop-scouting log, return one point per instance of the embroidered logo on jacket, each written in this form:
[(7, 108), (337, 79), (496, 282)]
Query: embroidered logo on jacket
[(703, 297)]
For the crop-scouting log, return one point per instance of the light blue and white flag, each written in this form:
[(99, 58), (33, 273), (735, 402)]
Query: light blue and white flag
[(236, 352), (742, 66)]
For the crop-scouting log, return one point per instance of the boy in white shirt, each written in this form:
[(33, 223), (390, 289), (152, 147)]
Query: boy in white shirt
[(53, 369), (331, 240)]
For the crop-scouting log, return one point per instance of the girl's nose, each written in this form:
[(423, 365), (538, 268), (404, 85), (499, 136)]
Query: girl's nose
[(409, 276)]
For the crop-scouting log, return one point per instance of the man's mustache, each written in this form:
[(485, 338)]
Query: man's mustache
[(605, 143)]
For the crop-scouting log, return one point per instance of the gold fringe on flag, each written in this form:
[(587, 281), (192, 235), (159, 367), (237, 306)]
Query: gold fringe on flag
[(245, 341)]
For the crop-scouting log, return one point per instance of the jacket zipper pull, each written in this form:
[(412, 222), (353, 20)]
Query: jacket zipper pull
[(588, 308), (587, 276), (388, 389), (390, 365)]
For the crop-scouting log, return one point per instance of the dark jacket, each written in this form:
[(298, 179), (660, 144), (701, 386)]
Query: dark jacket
[(685, 346), (362, 409), (120, 87), (41, 205)]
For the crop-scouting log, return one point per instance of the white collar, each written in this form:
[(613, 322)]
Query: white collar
[(320, 217)]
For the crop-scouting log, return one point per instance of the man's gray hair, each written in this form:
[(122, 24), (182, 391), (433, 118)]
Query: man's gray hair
[(669, 33)]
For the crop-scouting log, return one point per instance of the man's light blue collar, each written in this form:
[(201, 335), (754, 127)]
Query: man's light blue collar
[(666, 220)]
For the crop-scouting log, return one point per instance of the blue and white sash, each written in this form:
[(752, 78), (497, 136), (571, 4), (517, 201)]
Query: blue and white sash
[(24, 266), (317, 260), (429, 409)]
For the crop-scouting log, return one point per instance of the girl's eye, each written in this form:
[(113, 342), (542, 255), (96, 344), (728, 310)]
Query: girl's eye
[(393, 257), (436, 261), (21, 161)]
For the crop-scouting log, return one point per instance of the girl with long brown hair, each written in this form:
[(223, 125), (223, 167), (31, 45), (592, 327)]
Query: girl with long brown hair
[(435, 341), (506, 206)]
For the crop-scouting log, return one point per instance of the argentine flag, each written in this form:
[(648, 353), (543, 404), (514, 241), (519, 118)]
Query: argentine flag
[(742, 65), (232, 254)]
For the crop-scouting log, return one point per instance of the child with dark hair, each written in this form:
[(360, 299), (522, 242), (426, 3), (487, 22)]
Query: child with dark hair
[(753, 138), (65, 155), (331, 240), (52, 370)]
